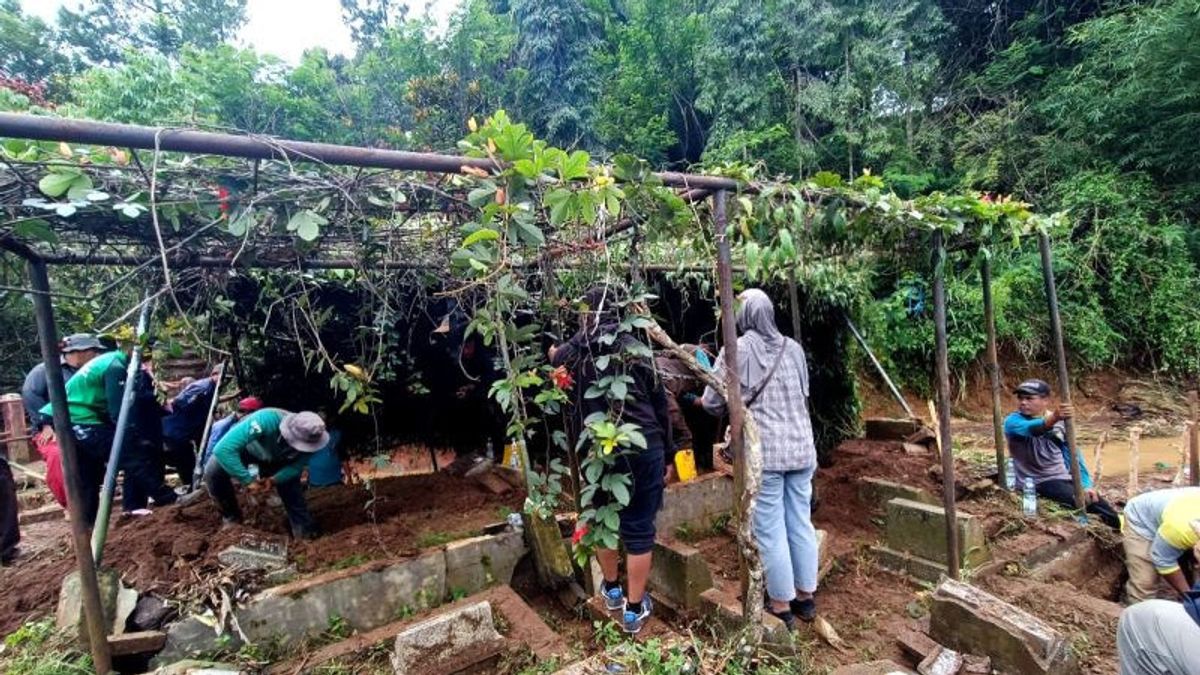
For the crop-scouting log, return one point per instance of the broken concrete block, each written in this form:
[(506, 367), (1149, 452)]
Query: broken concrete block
[(127, 600), (448, 642), (941, 661), (970, 620), (879, 492), (695, 503), (727, 610), (476, 563), (680, 574), (873, 668), (282, 575), (920, 529), (70, 602), (909, 564), (551, 556), (887, 429), (145, 642), (244, 557)]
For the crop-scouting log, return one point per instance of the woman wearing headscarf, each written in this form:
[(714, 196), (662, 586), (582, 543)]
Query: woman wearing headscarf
[(774, 380)]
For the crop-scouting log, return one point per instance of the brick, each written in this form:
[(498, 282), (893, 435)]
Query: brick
[(920, 529), (969, 620), (916, 645)]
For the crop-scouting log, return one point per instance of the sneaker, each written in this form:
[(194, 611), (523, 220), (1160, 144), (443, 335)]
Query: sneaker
[(805, 610), (635, 620), (614, 599)]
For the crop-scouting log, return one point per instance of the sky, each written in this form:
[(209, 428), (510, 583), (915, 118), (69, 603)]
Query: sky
[(284, 28)]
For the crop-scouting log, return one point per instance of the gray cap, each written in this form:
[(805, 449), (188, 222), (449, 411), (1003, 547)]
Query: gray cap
[(1033, 387), (81, 342), (304, 431)]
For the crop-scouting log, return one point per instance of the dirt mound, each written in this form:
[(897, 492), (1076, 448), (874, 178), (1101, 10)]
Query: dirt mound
[(397, 517)]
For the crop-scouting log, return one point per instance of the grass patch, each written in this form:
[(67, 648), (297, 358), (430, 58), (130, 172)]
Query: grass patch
[(38, 648)]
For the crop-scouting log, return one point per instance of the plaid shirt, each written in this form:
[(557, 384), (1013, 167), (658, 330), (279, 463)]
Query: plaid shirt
[(781, 411)]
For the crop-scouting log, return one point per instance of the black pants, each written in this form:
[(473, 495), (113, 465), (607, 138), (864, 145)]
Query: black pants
[(142, 463), (93, 442), (10, 530), (181, 454), (220, 488), (646, 468), (1063, 492)]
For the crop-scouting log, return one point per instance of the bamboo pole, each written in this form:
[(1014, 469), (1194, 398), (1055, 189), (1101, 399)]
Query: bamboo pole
[(93, 611), (943, 389), (879, 368), (1194, 436), (1135, 435), (1060, 351), (993, 364), (1098, 460)]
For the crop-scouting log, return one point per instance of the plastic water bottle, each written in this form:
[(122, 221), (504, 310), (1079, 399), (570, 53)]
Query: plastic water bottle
[(1010, 475), (1029, 501)]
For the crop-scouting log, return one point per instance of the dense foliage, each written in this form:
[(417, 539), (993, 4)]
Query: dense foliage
[(1085, 107)]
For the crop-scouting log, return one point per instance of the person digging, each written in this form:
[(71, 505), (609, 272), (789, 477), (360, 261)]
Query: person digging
[(277, 444), (1037, 444)]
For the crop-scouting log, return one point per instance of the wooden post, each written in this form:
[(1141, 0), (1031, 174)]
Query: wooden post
[(794, 302), (16, 430), (1194, 436), (1098, 460), (1135, 435), (1064, 381), (993, 364), (943, 389), (93, 611), (733, 387)]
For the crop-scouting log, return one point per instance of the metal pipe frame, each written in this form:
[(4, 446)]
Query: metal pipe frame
[(943, 389), (93, 610), (262, 147), (1060, 353)]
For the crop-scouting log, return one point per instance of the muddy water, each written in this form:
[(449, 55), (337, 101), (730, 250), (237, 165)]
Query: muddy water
[(1151, 452)]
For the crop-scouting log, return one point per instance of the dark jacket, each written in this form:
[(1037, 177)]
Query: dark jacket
[(189, 411), (146, 414), (646, 405), (35, 393)]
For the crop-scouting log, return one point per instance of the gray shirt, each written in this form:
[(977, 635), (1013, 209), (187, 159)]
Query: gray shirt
[(780, 410), (35, 392)]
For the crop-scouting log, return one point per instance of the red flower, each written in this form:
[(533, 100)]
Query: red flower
[(562, 378), (577, 536)]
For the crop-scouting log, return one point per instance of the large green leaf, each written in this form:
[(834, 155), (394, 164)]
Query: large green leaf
[(482, 234), (56, 183), (307, 224), (35, 228)]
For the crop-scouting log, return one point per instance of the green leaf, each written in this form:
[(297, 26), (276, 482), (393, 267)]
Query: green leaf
[(559, 200), (619, 389), (80, 188), (482, 234), (35, 228), (482, 196), (574, 166), (307, 224), (243, 222), (621, 494), (56, 183)]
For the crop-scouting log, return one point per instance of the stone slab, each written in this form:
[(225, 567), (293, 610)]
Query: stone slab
[(879, 492), (873, 668), (920, 529), (969, 620), (695, 503), (910, 565), (680, 574), (888, 429), (476, 563), (941, 661), (727, 610), (70, 602), (252, 558), (447, 642)]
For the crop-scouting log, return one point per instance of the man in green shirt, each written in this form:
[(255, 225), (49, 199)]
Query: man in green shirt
[(88, 393), (268, 448)]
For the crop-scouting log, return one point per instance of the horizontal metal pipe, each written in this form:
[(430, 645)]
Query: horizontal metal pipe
[(16, 125)]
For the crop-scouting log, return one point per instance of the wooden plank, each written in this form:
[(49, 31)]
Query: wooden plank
[(144, 642)]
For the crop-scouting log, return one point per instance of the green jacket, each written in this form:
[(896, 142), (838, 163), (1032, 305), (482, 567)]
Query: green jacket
[(87, 397), (256, 440)]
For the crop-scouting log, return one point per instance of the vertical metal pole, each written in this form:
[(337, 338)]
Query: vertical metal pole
[(93, 611), (1194, 436), (993, 364), (100, 533), (1064, 381), (943, 389), (732, 380)]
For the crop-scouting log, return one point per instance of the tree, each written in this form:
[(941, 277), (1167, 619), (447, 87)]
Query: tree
[(27, 46), (99, 31), (558, 82), (369, 20)]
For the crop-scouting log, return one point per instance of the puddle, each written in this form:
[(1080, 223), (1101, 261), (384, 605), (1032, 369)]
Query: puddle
[(1153, 453)]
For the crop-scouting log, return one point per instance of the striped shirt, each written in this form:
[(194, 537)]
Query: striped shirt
[(780, 410)]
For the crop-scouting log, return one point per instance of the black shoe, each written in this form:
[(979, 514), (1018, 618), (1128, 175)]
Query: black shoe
[(11, 558), (805, 609), (785, 616)]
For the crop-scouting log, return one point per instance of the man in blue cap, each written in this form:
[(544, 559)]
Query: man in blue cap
[(1037, 444)]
